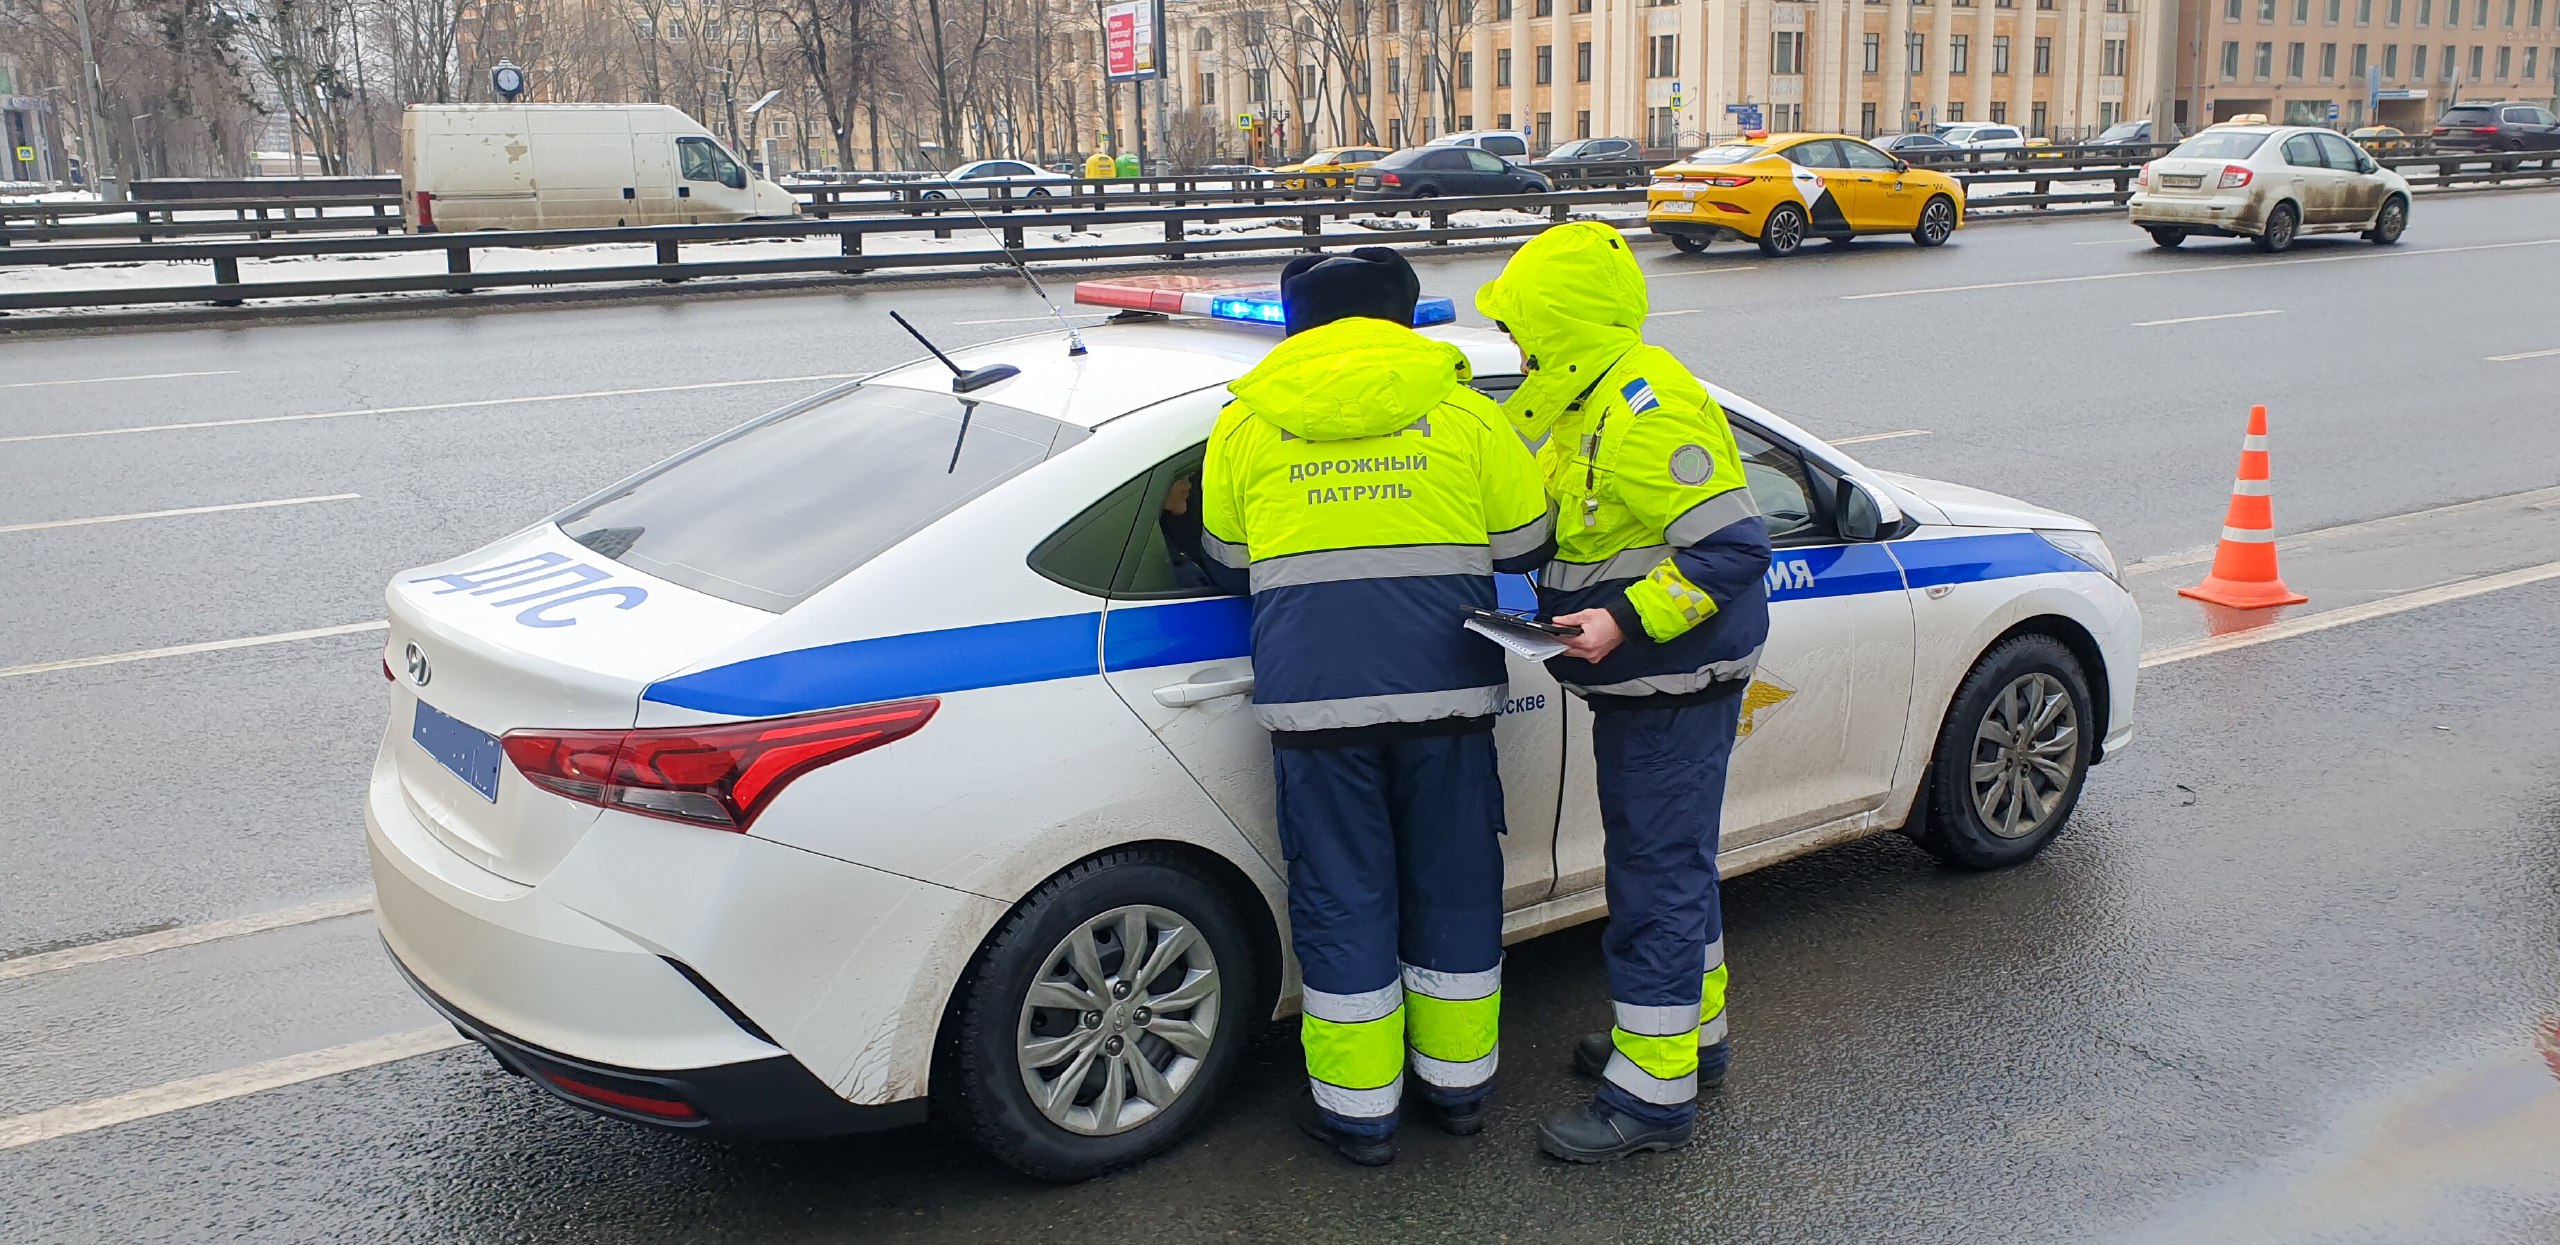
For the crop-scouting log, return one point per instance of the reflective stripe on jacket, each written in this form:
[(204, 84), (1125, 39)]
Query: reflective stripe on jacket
[(1369, 496), (1655, 519)]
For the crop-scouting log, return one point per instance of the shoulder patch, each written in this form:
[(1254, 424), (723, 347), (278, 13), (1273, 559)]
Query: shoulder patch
[(1639, 395), (1692, 464)]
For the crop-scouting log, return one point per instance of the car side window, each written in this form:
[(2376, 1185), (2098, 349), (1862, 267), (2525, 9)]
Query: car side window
[(1782, 487), (1141, 542), (1819, 154), (2303, 151), (2341, 154), (1484, 162), (1085, 554), (1862, 156), (1454, 158), (697, 160)]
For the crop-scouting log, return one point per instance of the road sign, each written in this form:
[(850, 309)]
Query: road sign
[(1675, 95), (2333, 113), (26, 155), (1746, 116), (1244, 121)]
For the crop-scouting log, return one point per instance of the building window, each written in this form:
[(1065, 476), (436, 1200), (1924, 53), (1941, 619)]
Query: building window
[(2530, 56), (1502, 11), (2109, 114), (1955, 110), (1258, 84), (1208, 89), (1395, 13), (2329, 61), (2302, 11), (2505, 61), (2265, 63), (2230, 60), (1546, 63), (2111, 58), (2000, 112), (1916, 52), (1395, 132), (2331, 12), (2426, 11), (1467, 121), (1661, 129), (1395, 75), (1581, 6), (1582, 123), (2475, 58), (2231, 10), (2390, 61), (2293, 62), (1466, 69), (1582, 61), (1502, 121), (2035, 120), (2356, 61), (1874, 62), (1666, 56), (1547, 125), (2418, 62), (2480, 13), (2364, 12), (2391, 13), (1786, 56), (2266, 10), (1545, 8), (2044, 55), (1867, 119), (2535, 21), (2000, 54), (1959, 55), (1502, 67), (2448, 62)]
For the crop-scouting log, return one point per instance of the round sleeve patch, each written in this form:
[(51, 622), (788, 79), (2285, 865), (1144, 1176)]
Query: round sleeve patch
[(1692, 465)]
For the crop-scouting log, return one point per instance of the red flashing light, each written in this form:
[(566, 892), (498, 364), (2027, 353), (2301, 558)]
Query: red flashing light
[(720, 775), (659, 1108), (2234, 176)]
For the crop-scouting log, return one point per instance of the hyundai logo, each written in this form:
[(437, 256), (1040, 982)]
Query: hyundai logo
[(419, 673)]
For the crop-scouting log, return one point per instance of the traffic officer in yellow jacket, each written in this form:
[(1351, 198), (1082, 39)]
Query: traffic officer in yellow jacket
[(1366, 496), (1659, 560)]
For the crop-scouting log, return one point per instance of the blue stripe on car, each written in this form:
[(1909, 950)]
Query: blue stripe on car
[(1037, 650)]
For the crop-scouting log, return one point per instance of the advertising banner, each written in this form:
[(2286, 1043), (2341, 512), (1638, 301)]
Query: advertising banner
[(1130, 33)]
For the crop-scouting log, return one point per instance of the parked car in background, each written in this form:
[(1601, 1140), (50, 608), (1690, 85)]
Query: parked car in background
[(978, 179), (1921, 148), (2511, 126), (2371, 133), (572, 166), (2129, 138), (1331, 160), (1985, 136), (2270, 184), (1442, 171), (1594, 159), (1508, 144)]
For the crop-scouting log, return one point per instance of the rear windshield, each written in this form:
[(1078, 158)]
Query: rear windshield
[(2221, 145), (1729, 153), (2122, 133), (2468, 116), (777, 509), (1399, 159)]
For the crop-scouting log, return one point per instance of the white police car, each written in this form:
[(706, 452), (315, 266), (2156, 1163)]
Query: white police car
[(878, 753)]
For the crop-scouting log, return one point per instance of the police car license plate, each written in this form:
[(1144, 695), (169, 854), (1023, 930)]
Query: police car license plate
[(2174, 182), (1681, 206), (471, 753)]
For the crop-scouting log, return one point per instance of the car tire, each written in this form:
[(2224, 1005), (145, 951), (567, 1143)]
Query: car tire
[(2032, 680), (2168, 237), (1036, 192), (935, 194), (1782, 234), (1690, 243), (1937, 222), (2389, 223), (982, 1065), (2284, 222)]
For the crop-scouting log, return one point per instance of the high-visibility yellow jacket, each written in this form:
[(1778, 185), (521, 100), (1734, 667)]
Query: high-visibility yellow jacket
[(1368, 495), (1655, 522)]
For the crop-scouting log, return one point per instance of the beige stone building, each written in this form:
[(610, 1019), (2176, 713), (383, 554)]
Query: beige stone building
[(2294, 60), (1666, 72)]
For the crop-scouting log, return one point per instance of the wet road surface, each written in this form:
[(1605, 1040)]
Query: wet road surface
[(2293, 973)]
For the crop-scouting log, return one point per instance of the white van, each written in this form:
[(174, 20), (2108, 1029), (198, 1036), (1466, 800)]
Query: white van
[(1508, 144), (572, 166)]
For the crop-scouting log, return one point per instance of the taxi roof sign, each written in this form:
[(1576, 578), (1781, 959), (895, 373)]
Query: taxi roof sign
[(1244, 302)]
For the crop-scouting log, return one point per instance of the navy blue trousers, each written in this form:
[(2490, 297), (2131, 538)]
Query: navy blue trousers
[(1395, 864), (1661, 778)]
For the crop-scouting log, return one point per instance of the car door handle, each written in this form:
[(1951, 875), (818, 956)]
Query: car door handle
[(1185, 695)]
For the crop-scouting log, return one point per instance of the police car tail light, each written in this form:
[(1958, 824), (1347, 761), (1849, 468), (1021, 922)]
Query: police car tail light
[(719, 775), (2234, 176)]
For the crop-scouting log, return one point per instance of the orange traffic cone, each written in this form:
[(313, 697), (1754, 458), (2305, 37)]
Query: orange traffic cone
[(2244, 566)]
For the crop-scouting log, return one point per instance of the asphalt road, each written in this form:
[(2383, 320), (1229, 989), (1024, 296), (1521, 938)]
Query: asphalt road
[(2289, 976)]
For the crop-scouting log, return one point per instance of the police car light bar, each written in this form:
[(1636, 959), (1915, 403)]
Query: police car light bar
[(1244, 302)]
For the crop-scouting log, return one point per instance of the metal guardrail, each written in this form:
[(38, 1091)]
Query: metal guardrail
[(2452, 171)]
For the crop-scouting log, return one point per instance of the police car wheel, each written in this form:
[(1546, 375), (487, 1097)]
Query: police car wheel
[(2011, 758), (1100, 1020), (2282, 223), (1783, 233)]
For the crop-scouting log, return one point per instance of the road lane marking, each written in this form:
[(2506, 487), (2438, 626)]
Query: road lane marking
[(1703, 272), (428, 406), (2530, 354), (2228, 315), (2183, 271), (170, 514), (1876, 436), (181, 650), (1656, 315), (2529, 499), (197, 1091), (2326, 619), (25, 966), (109, 380)]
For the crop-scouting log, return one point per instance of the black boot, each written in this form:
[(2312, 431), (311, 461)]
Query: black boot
[(1465, 1121), (1365, 1151), (1591, 1059), (1592, 1133)]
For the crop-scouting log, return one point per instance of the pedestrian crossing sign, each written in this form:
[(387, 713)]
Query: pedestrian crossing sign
[(26, 155)]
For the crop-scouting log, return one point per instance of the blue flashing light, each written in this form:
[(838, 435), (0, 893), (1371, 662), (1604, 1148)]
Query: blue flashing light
[(1263, 307)]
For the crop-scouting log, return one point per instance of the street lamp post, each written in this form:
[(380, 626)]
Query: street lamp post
[(141, 163), (102, 162)]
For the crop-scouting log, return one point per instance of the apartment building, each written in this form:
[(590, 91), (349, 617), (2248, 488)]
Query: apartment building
[(2383, 62), (1672, 73)]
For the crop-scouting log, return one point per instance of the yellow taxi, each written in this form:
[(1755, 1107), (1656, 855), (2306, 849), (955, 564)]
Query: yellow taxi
[(1331, 160), (1779, 189)]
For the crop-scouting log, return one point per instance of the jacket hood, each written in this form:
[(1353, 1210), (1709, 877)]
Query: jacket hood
[(1575, 301), (1351, 378)]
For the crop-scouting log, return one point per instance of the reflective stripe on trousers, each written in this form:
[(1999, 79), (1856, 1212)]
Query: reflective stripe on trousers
[(1355, 1050), (1452, 1022), (1655, 1055)]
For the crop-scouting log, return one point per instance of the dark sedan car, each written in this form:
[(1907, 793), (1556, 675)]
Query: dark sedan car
[(1594, 159), (1445, 173), (1922, 148), (2512, 126)]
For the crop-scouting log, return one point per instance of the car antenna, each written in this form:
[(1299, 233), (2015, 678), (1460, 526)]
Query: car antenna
[(974, 379), (960, 194)]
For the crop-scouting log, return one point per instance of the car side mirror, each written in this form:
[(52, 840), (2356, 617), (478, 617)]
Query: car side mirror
[(1901, 165), (2368, 165), (1863, 514)]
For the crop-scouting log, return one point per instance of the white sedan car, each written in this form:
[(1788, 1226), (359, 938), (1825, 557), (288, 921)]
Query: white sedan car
[(2270, 184), (979, 179), (882, 755)]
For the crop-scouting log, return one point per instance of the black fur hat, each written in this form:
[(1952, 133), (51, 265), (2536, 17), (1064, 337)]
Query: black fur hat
[(1316, 290)]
